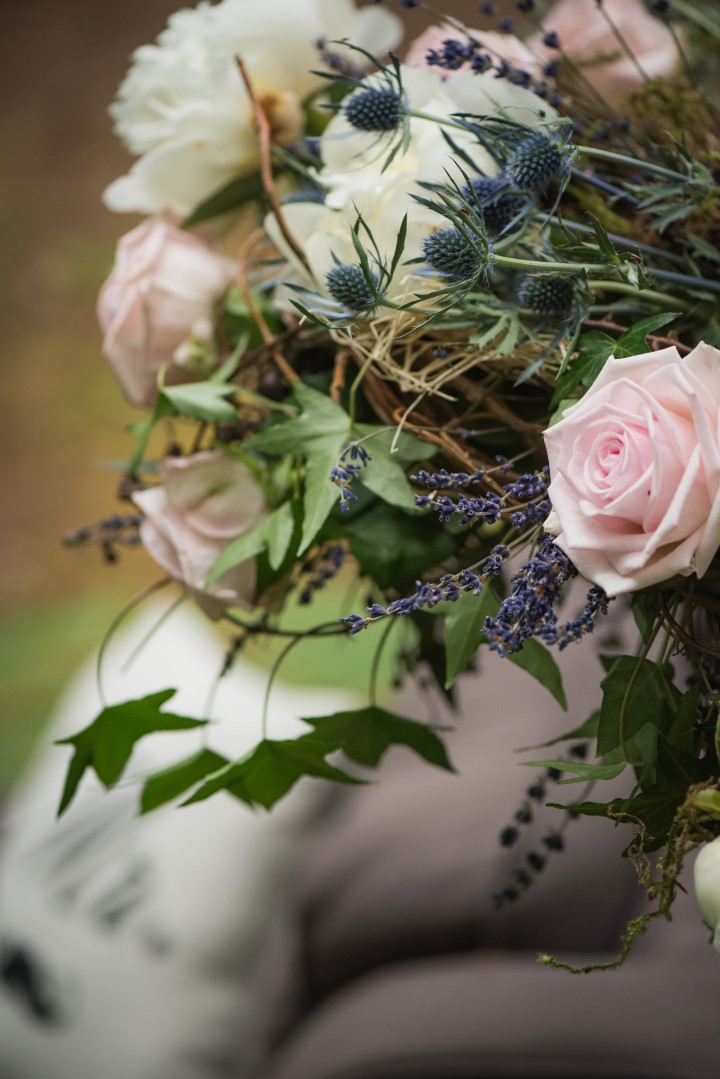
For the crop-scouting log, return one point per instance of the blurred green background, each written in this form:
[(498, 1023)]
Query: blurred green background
[(63, 415)]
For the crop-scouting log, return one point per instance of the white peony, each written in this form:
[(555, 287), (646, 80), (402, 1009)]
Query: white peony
[(353, 176), (184, 109)]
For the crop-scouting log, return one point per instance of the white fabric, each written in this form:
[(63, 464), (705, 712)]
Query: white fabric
[(143, 936)]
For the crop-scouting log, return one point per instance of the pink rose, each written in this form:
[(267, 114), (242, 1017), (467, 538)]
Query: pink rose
[(205, 502), (635, 470), (164, 281), (585, 36)]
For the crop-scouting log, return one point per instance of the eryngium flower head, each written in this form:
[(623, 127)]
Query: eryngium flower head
[(450, 253), (499, 207), (546, 295), (348, 286), (374, 110), (536, 163)]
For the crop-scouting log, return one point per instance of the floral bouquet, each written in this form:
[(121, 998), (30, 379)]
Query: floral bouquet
[(448, 328)]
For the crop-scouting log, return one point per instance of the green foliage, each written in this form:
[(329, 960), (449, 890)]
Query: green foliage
[(636, 694), (536, 660), (319, 434), (274, 534), (231, 196), (106, 745), (464, 623), (266, 774), (595, 347), (394, 548), (365, 735), (202, 401), (169, 784)]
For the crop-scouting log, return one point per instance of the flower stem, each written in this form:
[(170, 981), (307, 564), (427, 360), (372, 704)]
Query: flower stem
[(630, 290), (625, 159)]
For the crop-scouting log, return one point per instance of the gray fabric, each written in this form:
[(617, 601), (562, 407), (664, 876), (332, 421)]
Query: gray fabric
[(403, 968), (501, 1017)]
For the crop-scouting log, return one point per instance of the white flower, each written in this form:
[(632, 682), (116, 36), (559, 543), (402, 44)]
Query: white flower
[(353, 175), (706, 874), (183, 106)]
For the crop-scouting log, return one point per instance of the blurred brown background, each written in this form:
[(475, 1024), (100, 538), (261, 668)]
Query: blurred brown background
[(63, 415)]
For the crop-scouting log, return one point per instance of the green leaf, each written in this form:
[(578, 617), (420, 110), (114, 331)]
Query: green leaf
[(274, 535), (586, 809), (394, 548), (604, 243), (682, 736), (266, 775), (319, 420), (464, 623), (202, 401), (582, 770), (633, 343), (646, 611), (535, 658), (635, 693), (384, 474), (229, 197), (365, 735), (594, 348), (588, 729), (164, 786), (143, 430), (319, 433), (106, 745)]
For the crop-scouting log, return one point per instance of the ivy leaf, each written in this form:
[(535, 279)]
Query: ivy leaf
[(646, 610), (202, 401), (394, 548), (106, 745), (273, 534), (163, 786), (365, 735), (229, 197), (633, 343), (464, 630), (384, 474), (635, 693), (319, 433), (535, 658), (594, 348), (266, 774)]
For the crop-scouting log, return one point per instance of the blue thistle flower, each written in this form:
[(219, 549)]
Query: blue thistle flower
[(348, 285), (374, 109), (535, 163), (498, 205), (449, 252), (551, 297)]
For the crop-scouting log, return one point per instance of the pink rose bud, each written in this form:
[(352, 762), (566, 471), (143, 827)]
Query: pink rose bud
[(204, 503), (163, 282), (635, 470)]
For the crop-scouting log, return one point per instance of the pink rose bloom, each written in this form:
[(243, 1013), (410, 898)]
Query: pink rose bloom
[(163, 282), (585, 36), (204, 503), (499, 46), (635, 470)]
